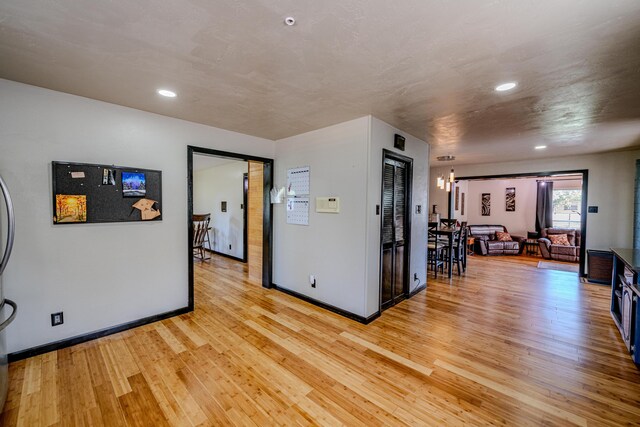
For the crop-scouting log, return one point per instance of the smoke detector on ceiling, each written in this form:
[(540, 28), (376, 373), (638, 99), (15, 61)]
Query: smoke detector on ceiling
[(447, 158)]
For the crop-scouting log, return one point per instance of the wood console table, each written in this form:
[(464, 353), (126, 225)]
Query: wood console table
[(625, 298)]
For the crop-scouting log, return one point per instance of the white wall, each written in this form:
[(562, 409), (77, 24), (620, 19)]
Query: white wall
[(85, 269), (332, 246), (611, 182), (518, 222), (343, 250), (382, 137), (211, 187)]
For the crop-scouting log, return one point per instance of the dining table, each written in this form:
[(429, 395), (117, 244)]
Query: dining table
[(450, 233)]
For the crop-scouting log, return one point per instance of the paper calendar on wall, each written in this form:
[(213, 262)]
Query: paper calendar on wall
[(298, 191), (298, 210), (298, 181)]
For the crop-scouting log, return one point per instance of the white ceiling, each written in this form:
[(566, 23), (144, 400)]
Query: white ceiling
[(426, 67)]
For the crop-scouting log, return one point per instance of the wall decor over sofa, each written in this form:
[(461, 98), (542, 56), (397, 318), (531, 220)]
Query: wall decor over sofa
[(510, 199), (486, 204)]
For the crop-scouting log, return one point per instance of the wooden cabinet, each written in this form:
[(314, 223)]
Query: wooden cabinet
[(600, 264), (625, 298)]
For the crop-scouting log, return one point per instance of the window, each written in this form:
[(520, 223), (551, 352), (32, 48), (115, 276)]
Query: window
[(567, 206)]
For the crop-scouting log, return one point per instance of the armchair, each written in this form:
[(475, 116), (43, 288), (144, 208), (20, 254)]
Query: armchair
[(570, 253)]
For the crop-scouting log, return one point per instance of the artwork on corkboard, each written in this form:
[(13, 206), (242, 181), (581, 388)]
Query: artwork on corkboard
[(462, 204), (457, 198), (510, 199), (71, 208), (134, 184), (486, 204)]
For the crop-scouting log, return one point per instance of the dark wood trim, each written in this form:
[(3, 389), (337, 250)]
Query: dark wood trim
[(585, 195), (190, 151), (417, 290), (334, 309), (267, 215), (267, 227), (245, 217), (68, 342), (583, 223)]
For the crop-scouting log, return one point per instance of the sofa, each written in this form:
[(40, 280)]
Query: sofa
[(487, 243), (560, 252)]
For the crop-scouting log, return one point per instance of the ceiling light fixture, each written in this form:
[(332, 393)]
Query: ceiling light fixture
[(540, 147), (506, 86), (289, 20), (167, 93), (444, 183), (447, 158)]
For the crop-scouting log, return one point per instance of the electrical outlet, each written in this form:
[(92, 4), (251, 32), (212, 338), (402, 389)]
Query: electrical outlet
[(57, 319), (312, 280), (415, 276), (229, 247)]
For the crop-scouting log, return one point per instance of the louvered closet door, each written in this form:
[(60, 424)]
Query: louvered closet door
[(394, 212)]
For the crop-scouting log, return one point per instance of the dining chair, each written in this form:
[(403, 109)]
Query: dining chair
[(201, 235), (435, 248), (460, 251), (448, 222)]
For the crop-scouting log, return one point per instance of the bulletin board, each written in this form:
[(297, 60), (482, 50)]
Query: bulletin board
[(92, 193)]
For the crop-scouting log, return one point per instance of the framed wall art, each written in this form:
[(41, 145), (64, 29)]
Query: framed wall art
[(510, 199), (486, 204)]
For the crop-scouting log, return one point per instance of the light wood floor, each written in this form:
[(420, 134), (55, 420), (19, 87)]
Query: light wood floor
[(507, 344)]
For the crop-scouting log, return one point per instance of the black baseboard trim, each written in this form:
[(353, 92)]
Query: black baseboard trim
[(417, 290), (68, 342), (225, 255), (334, 309)]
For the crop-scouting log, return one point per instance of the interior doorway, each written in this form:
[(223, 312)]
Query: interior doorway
[(529, 205), (255, 213), (396, 228), (219, 194)]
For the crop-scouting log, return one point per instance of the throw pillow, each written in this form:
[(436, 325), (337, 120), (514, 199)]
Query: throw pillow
[(503, 237), (559, 239)]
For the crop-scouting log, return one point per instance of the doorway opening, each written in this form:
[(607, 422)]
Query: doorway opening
[(241, 220), (532, 206), (395, 234)]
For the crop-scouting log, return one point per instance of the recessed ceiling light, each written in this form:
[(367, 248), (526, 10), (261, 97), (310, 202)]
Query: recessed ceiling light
[(289, 20), (506, 86), (167, 93), (540, 147)]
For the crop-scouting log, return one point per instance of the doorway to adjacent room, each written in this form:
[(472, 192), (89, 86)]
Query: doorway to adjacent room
[(231, 191)]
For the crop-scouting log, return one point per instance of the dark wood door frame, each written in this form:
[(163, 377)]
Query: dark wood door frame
[(585, 194), (245, 217), (388, 154), (267, 214)]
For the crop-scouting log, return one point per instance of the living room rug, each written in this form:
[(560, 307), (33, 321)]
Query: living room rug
[(548, 265)]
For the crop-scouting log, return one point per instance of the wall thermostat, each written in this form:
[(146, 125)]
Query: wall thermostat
[(328, 204)]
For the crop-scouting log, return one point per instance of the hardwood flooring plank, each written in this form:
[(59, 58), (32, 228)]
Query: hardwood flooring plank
[(504, 344)]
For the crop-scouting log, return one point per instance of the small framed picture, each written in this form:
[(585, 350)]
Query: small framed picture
[(486, 204), (134, 184), (510, 199)]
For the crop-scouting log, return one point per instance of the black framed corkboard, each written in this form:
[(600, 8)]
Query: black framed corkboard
[(96, 196)]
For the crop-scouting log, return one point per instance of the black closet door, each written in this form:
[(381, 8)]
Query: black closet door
[(394, 217)]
